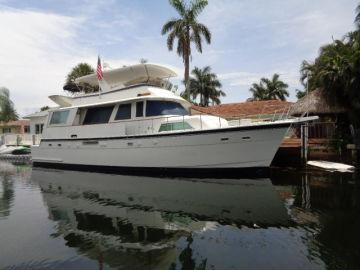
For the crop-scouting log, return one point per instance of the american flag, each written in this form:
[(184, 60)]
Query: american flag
[(99, 72)]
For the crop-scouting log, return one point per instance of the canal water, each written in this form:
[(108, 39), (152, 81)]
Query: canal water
[(52, 219)]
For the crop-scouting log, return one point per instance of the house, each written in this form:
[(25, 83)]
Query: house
[(37, 121), (262, 110), (21, 126)]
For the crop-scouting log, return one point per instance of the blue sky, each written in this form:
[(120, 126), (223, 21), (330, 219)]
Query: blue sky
[(42, 40)]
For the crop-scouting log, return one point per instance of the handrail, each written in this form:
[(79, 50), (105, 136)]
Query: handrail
[(142, 125)]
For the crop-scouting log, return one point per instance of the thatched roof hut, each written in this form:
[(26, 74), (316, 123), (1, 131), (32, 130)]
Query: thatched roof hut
[(316, 103)]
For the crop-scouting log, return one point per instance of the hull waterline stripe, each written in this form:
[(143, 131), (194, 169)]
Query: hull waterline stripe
[(237, 173)]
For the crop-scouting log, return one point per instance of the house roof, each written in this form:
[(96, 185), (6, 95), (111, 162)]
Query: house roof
[(20, 122), (37, 114), (316, 103), (245, 109)]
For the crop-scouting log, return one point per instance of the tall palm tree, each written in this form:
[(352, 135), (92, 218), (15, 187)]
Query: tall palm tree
[(81, 69), (268, 89), (7, 110), (186, 29), (206, 85)]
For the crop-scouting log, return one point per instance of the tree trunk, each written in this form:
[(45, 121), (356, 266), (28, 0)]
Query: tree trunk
[(187, 63), (187, 74)]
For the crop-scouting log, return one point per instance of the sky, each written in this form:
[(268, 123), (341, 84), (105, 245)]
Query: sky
[(41, 40)]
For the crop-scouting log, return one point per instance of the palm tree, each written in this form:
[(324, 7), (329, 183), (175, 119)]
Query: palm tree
[(81, 69), (205, 84), (186, 29), (258, 91), (337, 71), (270, 89), (7, 110)]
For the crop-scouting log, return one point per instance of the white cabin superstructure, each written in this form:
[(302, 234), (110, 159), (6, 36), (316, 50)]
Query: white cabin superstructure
[(136, 124)]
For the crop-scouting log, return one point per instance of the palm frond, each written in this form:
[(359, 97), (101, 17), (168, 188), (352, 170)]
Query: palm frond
[(170, 40), (205, 32), (169, 25), (197, 6), (179, 6)]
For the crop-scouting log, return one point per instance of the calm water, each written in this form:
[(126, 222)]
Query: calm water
[(72, 220)]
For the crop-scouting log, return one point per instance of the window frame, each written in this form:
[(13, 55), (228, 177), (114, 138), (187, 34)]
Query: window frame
[(160, 115), (39, 128), (59, 124), (94, 107), (143, 109), (117, 109)]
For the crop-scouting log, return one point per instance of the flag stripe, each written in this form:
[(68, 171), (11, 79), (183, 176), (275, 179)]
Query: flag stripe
[(99, 72)]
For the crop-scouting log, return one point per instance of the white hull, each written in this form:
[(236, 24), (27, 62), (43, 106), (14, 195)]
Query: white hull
[(238, 147)]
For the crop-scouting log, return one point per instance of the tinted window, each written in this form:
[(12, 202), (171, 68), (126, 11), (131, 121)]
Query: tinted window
[(157, 107), (175, 126), (59, 117), (98, 115), (124, 112), (139, 109)]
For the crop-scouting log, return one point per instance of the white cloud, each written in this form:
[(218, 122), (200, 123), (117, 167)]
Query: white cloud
[(36, 50)]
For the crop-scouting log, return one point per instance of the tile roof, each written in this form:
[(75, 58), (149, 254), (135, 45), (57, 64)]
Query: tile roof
[(245, 109), (20, 122)]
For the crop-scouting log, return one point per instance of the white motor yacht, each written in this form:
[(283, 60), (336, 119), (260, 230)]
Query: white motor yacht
[(136, 125)]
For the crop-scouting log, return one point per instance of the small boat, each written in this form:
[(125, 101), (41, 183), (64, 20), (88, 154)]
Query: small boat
[(331, 166), (14, 150), (135, 125)]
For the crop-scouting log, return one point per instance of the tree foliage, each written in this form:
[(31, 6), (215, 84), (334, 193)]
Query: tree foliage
[(269, 89), (337, 71), (81, 69), (44, 108), (300, 93), (186, 30), (7, 110), (205, 85)]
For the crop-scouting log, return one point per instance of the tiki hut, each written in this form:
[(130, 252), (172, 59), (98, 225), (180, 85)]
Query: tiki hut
[(330, 114), (316, 103)]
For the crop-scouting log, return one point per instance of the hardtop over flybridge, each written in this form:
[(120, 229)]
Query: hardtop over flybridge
[(135, 124)]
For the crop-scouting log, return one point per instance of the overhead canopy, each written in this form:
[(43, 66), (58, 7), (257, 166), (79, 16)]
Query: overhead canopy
[(130, 75), (63, 101)]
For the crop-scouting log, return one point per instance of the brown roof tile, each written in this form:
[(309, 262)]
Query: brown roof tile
[(21, 122), (245, 109)]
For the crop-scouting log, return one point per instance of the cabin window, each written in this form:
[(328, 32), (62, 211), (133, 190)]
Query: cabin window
[(26, 129), (98, 115), (175, 126), (123, 112), (158, 107), (140, 109), (59, 117)]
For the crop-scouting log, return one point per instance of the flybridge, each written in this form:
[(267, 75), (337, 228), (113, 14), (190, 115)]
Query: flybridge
[(131, 75)]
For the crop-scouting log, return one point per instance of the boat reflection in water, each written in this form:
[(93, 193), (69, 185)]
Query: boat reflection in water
[(156, 223)]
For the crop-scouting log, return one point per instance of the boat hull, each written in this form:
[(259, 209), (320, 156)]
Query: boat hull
[(227, 150)]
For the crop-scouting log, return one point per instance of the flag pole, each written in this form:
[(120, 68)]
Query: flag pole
[(99, 74)]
